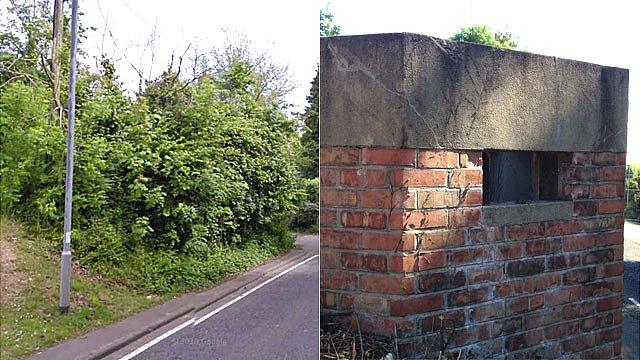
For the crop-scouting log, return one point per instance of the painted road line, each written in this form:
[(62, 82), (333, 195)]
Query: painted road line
[(634, 301), (240, 297), (157, 340)]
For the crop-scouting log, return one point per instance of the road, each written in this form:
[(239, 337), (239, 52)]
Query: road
[(631, 311), (276, 321)]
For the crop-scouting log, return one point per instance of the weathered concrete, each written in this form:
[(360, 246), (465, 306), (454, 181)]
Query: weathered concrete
[(415, 91), (507, 214)]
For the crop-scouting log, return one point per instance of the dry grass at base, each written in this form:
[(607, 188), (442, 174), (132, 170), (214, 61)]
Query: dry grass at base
[(338, 342)]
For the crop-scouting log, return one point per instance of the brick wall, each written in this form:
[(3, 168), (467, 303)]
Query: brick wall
[(404, 249)]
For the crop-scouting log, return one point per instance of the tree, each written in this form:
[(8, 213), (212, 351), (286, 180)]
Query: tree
[(482, 34), (327, 27), (310, 117)]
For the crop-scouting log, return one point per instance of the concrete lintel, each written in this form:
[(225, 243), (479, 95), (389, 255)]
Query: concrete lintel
[(416, 91), (508, 214)]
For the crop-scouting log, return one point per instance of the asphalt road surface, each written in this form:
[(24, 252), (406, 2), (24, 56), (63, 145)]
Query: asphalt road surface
[(631, 311), (277, 321)]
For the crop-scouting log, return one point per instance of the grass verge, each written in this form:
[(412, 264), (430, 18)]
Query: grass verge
[(29, 314)]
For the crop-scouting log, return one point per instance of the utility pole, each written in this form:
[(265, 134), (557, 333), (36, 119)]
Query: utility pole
[(65, 259), (58, 30)]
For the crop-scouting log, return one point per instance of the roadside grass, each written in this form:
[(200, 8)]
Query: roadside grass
[(30, 320)]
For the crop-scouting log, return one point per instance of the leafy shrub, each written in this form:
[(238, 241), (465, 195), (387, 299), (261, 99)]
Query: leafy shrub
[(172, 183), (306, 219)]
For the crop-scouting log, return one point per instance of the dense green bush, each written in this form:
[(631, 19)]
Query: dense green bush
[(306, 219), (181, 169), (632, 194)]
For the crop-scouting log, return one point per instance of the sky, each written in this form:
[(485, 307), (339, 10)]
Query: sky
[(601, 32), (287, 30)]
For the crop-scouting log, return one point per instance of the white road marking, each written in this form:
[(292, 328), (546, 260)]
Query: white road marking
[(144, 347), (195, 322), (634, 301), (205, 317)]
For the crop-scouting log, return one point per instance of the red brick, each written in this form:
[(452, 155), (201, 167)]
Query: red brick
[(578, 242), (485, 274), (524, 304), (543, 246), (562, 227), (598, 256), (437, 199), (328, 217), (421, 219), (437, 159), (404, 199), (609, 303), (332, 197), (465, 177), (486, 235), (440, 239), (562, 261), (329, 177), (471, 159), (509, 251), (541, 282), (525, 231), (585, 208), (577, 276), (386, 284), (467, 297), (581, 158), (416, 305), (609, 334), (464, 217), (540, 319), (339, 156), (377, 199), (579, 343), (581, 173), (510, 288), (388, 156), (621, 158), (448, 320), (374, 262), (351, 260), (610, 270), (441, 280), (387, 241), (611, 173), (599, 288), (361, 219), (417, 262), (328, 299), (338, 280), (563, 295), (419, 177), (562, 330), (611, 206), (577, 191), (328, 259), (339, 239), (363, 177), (602, 352), (469, 335), (604, 158), (364, 303), (471, 197), (607, 190), (469, 256), (487, 312)]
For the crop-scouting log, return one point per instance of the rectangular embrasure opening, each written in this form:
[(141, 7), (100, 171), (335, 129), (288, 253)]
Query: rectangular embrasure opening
[(520, 177)]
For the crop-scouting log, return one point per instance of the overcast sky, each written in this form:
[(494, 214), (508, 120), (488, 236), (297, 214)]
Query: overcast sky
[(601, 32), (288, 30)]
